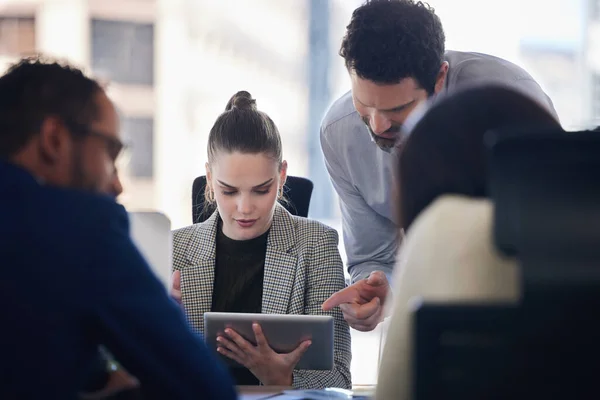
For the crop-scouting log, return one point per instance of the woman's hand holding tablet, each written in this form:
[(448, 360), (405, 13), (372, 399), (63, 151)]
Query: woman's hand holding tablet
[(270, 367)]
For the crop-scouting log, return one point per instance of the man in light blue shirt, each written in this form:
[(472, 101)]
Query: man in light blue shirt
[(395, 54)]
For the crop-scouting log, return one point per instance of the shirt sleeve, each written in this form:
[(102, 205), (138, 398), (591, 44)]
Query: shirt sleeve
[(142, 327), (370, 240)]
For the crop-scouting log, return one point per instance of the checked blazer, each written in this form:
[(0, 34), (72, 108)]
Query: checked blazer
[(303, 268)]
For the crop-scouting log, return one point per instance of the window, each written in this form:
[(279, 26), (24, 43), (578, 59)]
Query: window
[(594, 9), (123, 52), (17, 36), (139, 134)]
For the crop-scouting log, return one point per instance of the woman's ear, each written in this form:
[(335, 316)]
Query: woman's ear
[(208, 176), (283, 173)]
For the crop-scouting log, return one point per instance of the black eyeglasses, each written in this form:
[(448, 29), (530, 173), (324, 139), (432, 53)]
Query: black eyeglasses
[(114, 146)]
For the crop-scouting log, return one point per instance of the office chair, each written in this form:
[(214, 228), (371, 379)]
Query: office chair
[(546, 192), (297, 194)]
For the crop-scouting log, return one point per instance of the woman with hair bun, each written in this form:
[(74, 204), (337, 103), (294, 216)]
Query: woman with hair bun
[(252, 256)]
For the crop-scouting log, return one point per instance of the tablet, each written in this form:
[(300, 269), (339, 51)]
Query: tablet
[(284, 332)]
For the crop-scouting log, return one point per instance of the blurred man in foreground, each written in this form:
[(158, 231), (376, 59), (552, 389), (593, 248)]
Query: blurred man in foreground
[(71, 278)]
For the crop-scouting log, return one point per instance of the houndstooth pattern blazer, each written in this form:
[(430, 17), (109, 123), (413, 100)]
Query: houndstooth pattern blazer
[(303, 268)]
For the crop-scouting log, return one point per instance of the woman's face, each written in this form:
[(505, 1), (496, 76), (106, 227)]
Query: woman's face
[(245, 189)]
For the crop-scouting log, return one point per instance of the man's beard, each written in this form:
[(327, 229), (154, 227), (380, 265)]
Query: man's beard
[(384, 144), (80, 178)]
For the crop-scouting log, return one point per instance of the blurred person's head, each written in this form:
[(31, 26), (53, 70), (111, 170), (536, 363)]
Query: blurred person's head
[(394, 53), (59, 125), (445, 154), (245, 172)]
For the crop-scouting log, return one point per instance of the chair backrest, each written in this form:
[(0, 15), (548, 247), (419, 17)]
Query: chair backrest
[(546, 192), (297, 194)]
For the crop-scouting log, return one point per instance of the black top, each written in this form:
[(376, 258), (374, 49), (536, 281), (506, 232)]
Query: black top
[(238, 285)]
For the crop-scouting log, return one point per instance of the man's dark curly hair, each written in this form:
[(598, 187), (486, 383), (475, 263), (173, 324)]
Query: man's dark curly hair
[(34, 89), (389, 40)]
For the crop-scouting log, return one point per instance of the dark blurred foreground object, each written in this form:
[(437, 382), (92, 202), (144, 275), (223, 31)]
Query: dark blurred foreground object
[(108, 380), (546, 192), (123, 394)]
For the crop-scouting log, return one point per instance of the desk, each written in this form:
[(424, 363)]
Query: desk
[(265, 392), (259, 392)]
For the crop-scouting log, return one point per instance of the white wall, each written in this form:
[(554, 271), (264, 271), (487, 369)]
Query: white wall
[(62, 30)]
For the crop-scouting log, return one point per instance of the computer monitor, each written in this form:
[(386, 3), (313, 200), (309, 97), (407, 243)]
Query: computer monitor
[(544, 348), (460, 351), (151, 232)]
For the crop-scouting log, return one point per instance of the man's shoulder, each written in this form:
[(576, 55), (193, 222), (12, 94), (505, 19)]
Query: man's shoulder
[(473, 69), (466, 67), (67, 229), (340, 111), (83, 211)]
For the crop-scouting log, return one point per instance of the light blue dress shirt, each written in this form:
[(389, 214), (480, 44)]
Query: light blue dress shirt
[(362, 174)]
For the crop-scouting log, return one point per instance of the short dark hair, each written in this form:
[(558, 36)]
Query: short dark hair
[(36, 88), (390, 40), (444, 153)]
